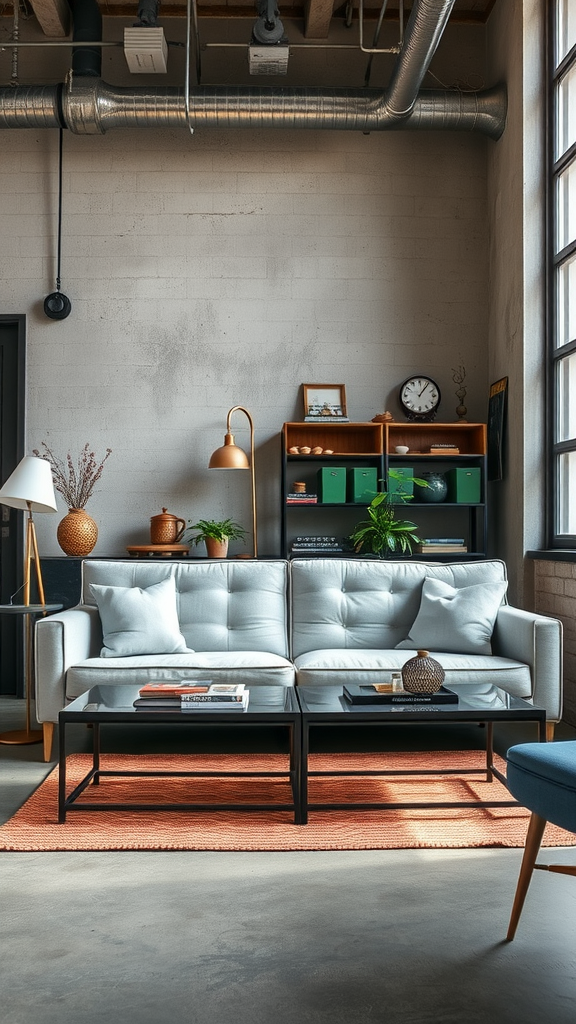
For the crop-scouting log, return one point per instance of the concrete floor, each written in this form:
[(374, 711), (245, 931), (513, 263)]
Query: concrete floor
[(398, 936)]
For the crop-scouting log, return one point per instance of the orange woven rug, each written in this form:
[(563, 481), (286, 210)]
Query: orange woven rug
[(34, 827)]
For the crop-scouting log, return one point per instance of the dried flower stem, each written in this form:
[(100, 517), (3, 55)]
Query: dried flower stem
[(75, 483)]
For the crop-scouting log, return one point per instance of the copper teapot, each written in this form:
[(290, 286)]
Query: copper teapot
[(166, 528)]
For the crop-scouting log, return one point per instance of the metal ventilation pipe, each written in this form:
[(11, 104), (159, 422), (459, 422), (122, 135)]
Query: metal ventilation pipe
[(90, 106), (426, 23), (87, 22)]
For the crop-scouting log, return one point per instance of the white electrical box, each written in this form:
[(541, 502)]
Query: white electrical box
[(268, 60), (146, 51)]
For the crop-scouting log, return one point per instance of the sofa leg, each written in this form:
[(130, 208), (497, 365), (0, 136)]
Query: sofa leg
[(48, 736), (550, 726)]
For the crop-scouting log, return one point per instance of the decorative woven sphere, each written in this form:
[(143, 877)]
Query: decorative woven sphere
[(77, 533), (422, 674)]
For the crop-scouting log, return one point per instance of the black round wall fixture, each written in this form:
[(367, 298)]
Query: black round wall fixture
[(57, 306)]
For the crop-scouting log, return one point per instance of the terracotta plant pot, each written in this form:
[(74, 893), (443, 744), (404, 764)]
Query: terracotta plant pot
[(77, 533), (216, 548)]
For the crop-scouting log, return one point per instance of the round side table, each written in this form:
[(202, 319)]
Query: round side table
[(27, 735)]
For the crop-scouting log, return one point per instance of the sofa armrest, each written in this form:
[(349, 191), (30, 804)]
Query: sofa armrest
[(62, 640), (537, 641)]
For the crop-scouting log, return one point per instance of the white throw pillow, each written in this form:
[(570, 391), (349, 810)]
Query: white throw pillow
[(455, 620), (137, 621)]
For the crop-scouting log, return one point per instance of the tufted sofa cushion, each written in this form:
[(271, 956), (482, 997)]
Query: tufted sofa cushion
[(367, 604), (222, 606)]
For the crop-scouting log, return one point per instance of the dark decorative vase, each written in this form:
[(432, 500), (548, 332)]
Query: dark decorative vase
[(437, 488), (422, 674)]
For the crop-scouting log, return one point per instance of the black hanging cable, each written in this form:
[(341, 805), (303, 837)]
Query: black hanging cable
[(57, 305), (59, 260)]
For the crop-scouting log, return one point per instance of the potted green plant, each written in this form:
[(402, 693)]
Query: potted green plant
[(216, 535), (382, 533)]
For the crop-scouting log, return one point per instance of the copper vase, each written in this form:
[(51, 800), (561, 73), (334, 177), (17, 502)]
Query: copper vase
[(77, 533)]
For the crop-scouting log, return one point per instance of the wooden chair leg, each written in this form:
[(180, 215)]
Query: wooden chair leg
[(550, 726), (48, 736), (533, 840)]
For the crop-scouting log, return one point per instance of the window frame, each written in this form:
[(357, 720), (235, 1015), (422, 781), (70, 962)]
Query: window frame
[(556, 353)]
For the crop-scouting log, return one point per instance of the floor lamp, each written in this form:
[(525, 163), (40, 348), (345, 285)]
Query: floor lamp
[(30, 488), (230, 456)]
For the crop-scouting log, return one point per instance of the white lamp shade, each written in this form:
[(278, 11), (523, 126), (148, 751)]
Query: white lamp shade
[(30, 486)]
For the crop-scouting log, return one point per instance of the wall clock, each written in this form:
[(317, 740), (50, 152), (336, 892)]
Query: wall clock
[(419, 397)]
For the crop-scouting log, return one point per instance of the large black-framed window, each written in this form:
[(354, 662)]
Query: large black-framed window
[(562, 272)]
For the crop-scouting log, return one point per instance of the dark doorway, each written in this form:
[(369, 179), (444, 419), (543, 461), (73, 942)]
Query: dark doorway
[(12, 368)]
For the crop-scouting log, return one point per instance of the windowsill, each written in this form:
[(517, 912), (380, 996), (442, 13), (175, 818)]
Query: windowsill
[(553, 555)]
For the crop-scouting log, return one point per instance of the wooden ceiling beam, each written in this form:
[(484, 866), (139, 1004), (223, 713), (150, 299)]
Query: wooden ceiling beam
[(53, 16), (317, 18)]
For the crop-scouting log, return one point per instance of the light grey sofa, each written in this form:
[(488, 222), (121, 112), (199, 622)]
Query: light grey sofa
[(308, 621)]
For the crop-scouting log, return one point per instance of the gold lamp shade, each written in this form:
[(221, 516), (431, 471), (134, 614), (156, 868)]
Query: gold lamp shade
[(230, 456)]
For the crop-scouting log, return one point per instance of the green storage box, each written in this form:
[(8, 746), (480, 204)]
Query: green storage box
[(402, 486), (332, 484), (362, 484), (464, 485)]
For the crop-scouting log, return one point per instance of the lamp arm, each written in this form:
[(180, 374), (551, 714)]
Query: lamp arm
[(240, 408)]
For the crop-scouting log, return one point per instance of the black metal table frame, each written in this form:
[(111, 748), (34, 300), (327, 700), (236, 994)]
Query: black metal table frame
[(311, 719), (288, 719)]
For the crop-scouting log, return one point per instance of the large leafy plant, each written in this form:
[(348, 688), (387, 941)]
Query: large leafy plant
[(383, 533)]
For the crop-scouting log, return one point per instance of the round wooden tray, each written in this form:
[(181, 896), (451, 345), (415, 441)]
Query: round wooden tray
[(158, 550)]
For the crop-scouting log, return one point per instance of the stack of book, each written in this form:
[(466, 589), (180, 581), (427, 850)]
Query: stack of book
[(442, 545), (218, 697), (444, 449), (315, 545), (301, 498), (161, 696)]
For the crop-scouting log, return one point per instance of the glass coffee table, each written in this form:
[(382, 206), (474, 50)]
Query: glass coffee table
[(107, 705), (325, 706)]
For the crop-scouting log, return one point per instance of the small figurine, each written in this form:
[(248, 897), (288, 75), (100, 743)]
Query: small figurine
[(383, 417), (459, 376)]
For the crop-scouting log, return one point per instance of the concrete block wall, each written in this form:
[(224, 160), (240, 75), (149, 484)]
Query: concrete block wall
[(555, 594), (228, 268)]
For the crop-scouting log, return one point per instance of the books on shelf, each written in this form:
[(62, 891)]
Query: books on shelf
[(444, 449), (367, 693), (299, 498), (441, 549), (326, 419), (442, 545)]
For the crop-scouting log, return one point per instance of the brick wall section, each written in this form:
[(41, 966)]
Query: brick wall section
[(555, 594)]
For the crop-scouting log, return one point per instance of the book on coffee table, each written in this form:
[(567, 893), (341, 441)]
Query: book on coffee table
[(367, 693), (174, 688)]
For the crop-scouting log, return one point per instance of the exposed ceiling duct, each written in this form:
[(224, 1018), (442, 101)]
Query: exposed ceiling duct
[(87, 105)]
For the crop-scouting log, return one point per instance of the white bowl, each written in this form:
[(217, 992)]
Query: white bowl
[(401, 449)]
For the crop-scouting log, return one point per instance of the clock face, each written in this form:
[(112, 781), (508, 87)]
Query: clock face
[(420, 397)]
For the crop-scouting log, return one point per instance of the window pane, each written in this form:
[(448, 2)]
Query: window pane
[(566, 303), (565, 28), (566, 207), (566, 499), (565, 387), (566, 112)]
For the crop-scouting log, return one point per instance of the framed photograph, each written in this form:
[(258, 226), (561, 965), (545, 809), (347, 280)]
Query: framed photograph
[(496, 426), (324, 401)]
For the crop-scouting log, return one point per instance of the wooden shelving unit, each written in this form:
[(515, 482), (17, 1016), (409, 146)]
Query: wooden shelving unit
[(373, 445)]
